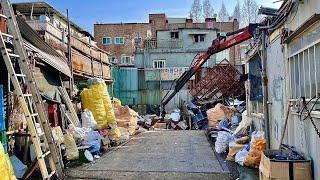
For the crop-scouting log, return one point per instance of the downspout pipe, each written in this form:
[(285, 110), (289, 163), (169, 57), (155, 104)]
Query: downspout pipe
[(265, 88)]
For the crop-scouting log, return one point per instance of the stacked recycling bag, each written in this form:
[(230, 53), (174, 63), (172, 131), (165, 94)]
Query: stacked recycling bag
[(6, 170), (96, 99)]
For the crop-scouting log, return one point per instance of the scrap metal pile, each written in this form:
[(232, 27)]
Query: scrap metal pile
[(220, 81)]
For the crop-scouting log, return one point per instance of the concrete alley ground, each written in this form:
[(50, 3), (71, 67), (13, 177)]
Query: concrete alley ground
[(157, 155)]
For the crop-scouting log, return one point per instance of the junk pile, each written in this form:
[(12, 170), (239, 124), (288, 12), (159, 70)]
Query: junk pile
[(232, 134), (82, 129)]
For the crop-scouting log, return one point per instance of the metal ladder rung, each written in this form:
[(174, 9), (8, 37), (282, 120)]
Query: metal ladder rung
[(41, 134), (34, 114), (7, 35), (3, 16), (13, 55), (45, 154), (50, 175), (20, 75)]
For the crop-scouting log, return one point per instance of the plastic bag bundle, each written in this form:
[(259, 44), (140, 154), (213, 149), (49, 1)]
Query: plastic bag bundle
[(93, 139), (254, 156), (6, 170), (116, 102), (240, 156), (221, 144), (88, 119), (127, 118), (219, 112), (71, 147), (77, 132), (97, 100), (95, 81)]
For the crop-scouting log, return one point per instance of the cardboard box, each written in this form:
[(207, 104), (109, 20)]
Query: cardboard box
[(160, 125), (285, 169)]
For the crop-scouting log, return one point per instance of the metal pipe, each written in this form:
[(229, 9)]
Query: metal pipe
[(71, 82), (265, 88)]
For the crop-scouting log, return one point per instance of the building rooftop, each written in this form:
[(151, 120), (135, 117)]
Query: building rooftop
[(40, 8)]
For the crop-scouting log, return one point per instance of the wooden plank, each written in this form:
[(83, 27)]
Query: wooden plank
[(67, 100), (97, 69), (106, 71), (81, 62), (79, 45)]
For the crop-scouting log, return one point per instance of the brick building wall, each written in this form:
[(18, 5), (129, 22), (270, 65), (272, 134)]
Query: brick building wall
[(156, 22), (129, 31)]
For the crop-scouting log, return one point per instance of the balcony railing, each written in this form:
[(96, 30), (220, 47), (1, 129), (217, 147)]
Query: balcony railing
[(163, 44)]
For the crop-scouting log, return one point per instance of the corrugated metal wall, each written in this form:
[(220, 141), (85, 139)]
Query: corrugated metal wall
[(131, 88)]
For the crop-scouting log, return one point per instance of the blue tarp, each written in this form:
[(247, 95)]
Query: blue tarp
[(255, 79)]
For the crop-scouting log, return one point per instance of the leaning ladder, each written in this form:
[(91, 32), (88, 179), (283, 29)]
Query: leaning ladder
[(43, 142)]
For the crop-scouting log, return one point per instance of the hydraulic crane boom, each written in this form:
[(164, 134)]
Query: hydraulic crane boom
[(217, 45)]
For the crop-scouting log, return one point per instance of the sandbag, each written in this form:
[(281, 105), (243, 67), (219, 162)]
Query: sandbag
[(114, 133), (116, 102), (6, 169), (71, 147), (126, 118), (219, 112)]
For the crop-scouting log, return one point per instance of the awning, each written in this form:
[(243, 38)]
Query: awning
[(46, 53)]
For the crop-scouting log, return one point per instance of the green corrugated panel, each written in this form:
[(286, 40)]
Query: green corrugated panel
[(126, 79), (151, 97), (130, 97)]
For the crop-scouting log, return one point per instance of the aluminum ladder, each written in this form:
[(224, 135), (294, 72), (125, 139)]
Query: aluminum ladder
[(31, 101)]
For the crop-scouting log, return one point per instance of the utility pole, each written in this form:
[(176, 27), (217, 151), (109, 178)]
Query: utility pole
[(71, 82), (265, 88)]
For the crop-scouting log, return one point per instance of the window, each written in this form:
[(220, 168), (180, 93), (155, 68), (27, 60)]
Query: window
[(125, 60), (159, 64), (199, 38), (174, 35), (119, 40), (304, 72), (137, 40), (114, 60), (106, 40)]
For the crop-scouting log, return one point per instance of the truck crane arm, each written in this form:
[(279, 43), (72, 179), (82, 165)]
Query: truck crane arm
[(218, 45)]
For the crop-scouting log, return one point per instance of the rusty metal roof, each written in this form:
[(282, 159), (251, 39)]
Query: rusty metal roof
[(45, 52)]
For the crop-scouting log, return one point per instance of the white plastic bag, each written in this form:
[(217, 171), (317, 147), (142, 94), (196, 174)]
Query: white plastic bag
[(77, 132), (243, 125), (93, 139), (240, 156), (222, 142), (88, 120), (257, 135)]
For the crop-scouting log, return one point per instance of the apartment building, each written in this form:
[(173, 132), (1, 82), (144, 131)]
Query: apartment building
[(123, 39)]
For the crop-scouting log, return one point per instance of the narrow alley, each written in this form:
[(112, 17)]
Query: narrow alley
[(140, 89), (157, 155)]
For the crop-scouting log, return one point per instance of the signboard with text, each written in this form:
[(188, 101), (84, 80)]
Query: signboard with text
[(164, 74)]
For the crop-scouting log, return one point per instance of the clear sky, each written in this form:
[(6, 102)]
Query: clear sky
[(87, 12)]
